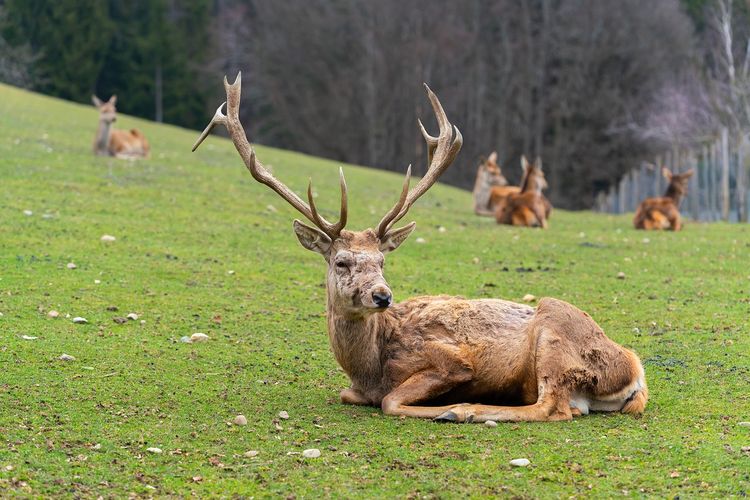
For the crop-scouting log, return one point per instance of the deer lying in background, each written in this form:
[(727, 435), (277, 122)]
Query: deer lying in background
[(489, 186), (441, 357), (664, 212), (118, 143), (529, 207)]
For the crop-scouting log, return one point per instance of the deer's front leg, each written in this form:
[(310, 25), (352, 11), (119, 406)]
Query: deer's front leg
[(420, 387), (352, 396)]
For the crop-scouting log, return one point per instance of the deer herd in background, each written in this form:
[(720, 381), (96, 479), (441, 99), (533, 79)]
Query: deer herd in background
[(522, 205), (526, 205)]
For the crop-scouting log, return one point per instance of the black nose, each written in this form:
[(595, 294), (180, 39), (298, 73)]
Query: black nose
[(382, 299)]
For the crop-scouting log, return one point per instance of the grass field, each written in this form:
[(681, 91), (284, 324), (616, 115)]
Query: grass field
[(202, 248)]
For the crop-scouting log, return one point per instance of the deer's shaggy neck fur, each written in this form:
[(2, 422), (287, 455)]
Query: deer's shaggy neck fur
[(675, 193)]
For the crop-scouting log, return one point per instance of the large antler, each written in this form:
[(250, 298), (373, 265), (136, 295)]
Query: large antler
[(232, 122), (441, 151)]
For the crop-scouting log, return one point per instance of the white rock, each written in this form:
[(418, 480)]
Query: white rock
[(186, 339), (71, 265), (132, 316), (529, 298), (441, 229), (80, 320), (311, 453), (284, 415), (490, 423), (199, 337), (646, 240), (230, 272), (96, 282), (420, 240), (48, 216), (143, 321), (519, 462), (28, 212), (621, 275), (53, 314), (28, 337), (154, 450), (66, 357), (744, 424), (107, 238), (240, 420), (251, 453)]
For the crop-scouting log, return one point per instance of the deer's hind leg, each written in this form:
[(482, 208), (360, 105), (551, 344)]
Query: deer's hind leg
[(558, 376)]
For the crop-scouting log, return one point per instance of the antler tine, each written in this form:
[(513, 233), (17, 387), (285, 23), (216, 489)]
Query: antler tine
[(319, 221), (232, 122), (218, 119), (441, 151), (385, 223)]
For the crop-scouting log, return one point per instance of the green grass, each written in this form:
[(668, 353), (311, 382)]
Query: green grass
[(183, 221)]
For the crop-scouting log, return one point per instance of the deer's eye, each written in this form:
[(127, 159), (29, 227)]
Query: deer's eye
[(342, 265)]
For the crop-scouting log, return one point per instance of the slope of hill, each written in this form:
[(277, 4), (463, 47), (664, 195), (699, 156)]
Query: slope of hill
[(200, 247)]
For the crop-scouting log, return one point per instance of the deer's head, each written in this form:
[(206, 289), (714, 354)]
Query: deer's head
[(491, 171), (107, 110), (533, 177), (678, 183), (355, 258)]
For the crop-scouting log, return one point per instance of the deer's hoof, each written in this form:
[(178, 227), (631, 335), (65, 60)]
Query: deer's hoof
[(448, 416), (459, 415)]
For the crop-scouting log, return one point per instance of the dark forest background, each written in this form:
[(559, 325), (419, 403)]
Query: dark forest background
[(592, 86)]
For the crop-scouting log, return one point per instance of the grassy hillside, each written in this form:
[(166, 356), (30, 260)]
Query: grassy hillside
[(202, 248)]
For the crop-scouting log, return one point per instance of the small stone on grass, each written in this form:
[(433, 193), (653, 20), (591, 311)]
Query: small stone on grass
[(621, 275), (284, 415), (53, 314), (154, 450), (80, 320), (132, 316), (744, 424), (490, 423), (519, 462), (107, 238), (240, 420), (199, 337), (66, 357), (251, 453), (186, 339), (529, 298), (311, 453), (28, 212), (71, 265)]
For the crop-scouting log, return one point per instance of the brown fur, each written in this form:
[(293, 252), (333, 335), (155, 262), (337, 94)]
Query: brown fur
[(430, 356), (128, 144), (664, 212), (529, 207), (490, 186)]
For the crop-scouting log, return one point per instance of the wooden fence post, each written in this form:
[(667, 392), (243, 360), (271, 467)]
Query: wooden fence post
[(725, 174)]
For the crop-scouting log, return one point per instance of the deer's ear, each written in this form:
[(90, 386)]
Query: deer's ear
[(688, 174), (96, 101), (524, 163), (312, 238), (493, 157), (666, 173), (113, 99), (393, 239)]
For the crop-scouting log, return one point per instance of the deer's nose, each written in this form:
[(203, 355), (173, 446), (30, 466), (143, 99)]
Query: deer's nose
[(382, 299)]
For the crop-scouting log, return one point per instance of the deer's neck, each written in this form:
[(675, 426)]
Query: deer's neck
[(357, 343), (673, 194), (101, 141)]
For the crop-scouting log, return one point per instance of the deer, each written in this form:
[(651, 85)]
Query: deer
[(664, 212), (489, 186), (529, 207), (124, 144), (441, 357)]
